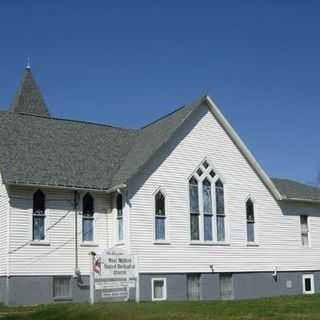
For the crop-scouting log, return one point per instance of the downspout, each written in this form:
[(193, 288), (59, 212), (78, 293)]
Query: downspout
[(76, 262)]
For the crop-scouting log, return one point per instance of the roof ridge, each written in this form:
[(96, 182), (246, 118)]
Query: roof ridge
[(197, 101), (296, 181), (163, 117), (68, 120)]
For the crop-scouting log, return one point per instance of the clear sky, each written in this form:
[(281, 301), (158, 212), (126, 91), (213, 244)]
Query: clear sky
[(126, 63)]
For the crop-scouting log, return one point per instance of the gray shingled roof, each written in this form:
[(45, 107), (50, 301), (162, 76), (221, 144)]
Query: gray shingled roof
[(47, 151), (56, 152), (150, 139), (38, 150), (296, 190)]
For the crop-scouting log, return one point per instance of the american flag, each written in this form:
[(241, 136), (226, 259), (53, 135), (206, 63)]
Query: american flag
[(97, 265)]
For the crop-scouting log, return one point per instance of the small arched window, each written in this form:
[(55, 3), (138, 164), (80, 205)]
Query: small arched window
[(250, 221), (38, 219), (220, 211), (160, 216), (120, 216), (194, 208), (87, 217)]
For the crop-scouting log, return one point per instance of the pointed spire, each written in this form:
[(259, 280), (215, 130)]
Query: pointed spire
[(28, 98), (28, 66)]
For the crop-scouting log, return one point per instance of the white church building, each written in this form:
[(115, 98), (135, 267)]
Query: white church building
[(183, 194)]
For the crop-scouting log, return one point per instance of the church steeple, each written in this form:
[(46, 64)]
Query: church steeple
[(28, 98)]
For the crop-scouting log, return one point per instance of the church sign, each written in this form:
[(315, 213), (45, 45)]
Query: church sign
[(114, 272)]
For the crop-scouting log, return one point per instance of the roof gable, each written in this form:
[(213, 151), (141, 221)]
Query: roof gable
[(158, 133)]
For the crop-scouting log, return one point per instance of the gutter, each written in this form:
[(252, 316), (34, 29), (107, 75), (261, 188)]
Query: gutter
[(300, 200), (35, 185)]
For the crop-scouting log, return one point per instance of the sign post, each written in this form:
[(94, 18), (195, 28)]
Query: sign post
[(92, 272)]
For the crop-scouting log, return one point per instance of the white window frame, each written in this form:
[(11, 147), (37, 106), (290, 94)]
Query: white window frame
[(122, 217), (89, 242), (164, 289), (166, 227), (309, 231), (200, 179), (311, 277), (44, 241)]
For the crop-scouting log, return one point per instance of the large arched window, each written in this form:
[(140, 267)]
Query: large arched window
[(38, 219), (220, 211), (160, 216), (250, 221), (206, 193), (87, 217), (120, 216)]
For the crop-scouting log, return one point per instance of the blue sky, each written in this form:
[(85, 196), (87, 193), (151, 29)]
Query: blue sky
[(128, 62)]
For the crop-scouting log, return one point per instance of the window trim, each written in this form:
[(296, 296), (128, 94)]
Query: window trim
[(190, 275), (311, 277), (61, 298), (254, 221), (212, 180), (88, 242), (308, 233), (166, 205), (45, 218), (164, 298), (118, 240)]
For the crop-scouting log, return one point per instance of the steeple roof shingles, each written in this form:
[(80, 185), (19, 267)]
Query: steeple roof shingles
[(28, 98)]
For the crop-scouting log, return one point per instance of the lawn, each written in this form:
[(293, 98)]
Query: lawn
[(283, 308)]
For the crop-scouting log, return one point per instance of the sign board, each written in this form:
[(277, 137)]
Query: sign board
[(101, 285), (114, 272), (115, 264)]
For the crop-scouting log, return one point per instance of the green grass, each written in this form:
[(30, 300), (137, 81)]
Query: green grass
[(282, 308)]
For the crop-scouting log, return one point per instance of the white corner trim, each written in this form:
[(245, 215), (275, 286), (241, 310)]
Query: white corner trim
[(243, 148)]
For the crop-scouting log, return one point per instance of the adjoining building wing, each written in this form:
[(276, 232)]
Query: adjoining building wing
[(293, 190)]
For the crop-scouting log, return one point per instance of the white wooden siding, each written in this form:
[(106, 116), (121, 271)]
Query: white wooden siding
[(4, 219), (277, 233), (59, 256)]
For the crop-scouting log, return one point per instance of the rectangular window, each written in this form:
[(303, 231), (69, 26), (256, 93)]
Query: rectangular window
[(62, 287), (87, 228), (226, 286), (120, 216), (193, 287), (159, 289), (308, 283), (304, 230), (38, 226)]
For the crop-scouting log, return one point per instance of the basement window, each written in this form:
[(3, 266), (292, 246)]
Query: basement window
[(308, 283), (159, 289), (62, 288)]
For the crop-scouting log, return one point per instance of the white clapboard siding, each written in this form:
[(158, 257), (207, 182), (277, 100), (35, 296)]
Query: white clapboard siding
[(4, 218), (278, 234), (58, 257)]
